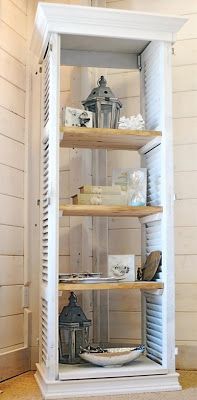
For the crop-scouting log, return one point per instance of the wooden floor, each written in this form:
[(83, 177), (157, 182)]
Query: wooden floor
[(24, 387)]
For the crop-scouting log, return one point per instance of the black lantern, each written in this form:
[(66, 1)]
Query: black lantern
[(73, 331), (104, 105)]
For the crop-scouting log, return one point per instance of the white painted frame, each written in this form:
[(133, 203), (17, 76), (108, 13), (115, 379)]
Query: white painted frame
[(111, 25), (49, 291)]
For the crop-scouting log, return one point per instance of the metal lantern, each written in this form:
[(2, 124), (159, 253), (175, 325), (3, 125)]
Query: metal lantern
[(73, 331), (104, 105)]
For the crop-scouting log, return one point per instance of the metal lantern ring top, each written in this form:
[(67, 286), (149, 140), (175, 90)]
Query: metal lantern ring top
[(73, 331), (104, 105)]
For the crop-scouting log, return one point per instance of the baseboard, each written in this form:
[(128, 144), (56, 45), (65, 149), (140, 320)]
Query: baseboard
[(54, 390), (34, 357), (187, 357), (14, 363)]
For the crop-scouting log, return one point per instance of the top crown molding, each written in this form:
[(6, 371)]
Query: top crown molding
[(100, 22)]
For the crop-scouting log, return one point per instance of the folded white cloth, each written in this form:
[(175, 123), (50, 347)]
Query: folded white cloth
[(133, 122)]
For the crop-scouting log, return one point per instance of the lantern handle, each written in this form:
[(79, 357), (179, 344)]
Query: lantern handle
[(102, 81)]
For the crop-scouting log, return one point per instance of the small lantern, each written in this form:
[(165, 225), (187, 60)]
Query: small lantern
[(73, 331), (104, 105)]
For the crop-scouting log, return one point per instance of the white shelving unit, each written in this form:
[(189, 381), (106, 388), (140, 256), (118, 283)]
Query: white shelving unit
[(99, 37)]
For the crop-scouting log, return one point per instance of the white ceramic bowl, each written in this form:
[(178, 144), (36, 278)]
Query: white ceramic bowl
[(113, 356)]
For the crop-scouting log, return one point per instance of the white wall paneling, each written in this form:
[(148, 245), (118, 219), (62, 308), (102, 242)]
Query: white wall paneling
[(11, 298), (186, 297), (184, 185), (11, 240), (181, 127), (185, 53), (21, 4), (185, 212), (13, 211), (185, 157), (12, 70), (184, 104), (12, 16), (128, 327), (14, 357), (11, 153), (12, 98), (124, 233), (11, 268), (12, 181), (185, 268), (11, 330), (14, 44), (186, 240), (186, 325), (180, 84), (12, 125), (167, 7), (128, 242), (125, 301)]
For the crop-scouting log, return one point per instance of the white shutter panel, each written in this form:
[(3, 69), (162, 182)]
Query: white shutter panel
[(156, 101), (154, 328), (151, 83), (153, 164), (154, 242), (50, 210)]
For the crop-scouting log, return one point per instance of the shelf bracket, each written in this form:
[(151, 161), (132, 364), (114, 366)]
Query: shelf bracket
[(139, 62)]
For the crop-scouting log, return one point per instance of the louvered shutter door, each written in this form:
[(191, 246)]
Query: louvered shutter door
[(158, 234), (50, 210), (154, 328)]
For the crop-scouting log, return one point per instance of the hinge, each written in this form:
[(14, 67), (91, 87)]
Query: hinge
[(25, 296), (48, 201), (40, 70), (139, 62), (173, 51), (51, 47)]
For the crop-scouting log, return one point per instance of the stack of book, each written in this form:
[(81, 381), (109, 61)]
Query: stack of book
[(100, 195)]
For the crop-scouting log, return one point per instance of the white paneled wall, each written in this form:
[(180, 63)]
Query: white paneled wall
[(185, 163), (13, 21)]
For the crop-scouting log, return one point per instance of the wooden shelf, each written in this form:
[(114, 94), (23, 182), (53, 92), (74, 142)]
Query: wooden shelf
[(109, 286), (108, 211), (99, 138)]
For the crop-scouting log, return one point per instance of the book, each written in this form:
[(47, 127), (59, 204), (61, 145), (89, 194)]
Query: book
[(100, 199), (100, 189)]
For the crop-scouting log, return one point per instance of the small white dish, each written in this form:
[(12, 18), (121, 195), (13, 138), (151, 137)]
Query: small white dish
[(113, 356)]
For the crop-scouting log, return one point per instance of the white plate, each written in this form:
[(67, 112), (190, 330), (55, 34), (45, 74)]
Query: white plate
[(90, 280)]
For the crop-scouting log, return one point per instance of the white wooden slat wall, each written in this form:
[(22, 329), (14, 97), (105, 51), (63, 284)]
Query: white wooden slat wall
[(13, 20), (185, 174), (124, 234), (75, 170)]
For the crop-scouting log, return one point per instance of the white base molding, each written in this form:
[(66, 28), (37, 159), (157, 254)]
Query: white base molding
[(14, 362), (54, 390)]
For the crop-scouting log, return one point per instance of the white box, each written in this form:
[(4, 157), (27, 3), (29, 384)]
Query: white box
[(77, 117), (122, 266)]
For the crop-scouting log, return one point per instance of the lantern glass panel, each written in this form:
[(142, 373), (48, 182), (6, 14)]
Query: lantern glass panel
[(104, 105), (73, 331), (63, 343)]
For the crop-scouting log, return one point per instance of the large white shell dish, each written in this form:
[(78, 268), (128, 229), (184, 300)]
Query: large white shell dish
[(113, 356)]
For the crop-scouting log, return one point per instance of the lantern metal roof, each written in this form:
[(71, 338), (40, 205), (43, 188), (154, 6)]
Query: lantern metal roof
[(102, 91), (73, 313)]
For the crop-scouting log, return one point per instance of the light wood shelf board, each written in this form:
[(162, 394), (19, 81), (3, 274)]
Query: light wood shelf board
[(113, 285), (109, 211), (96, 138)]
